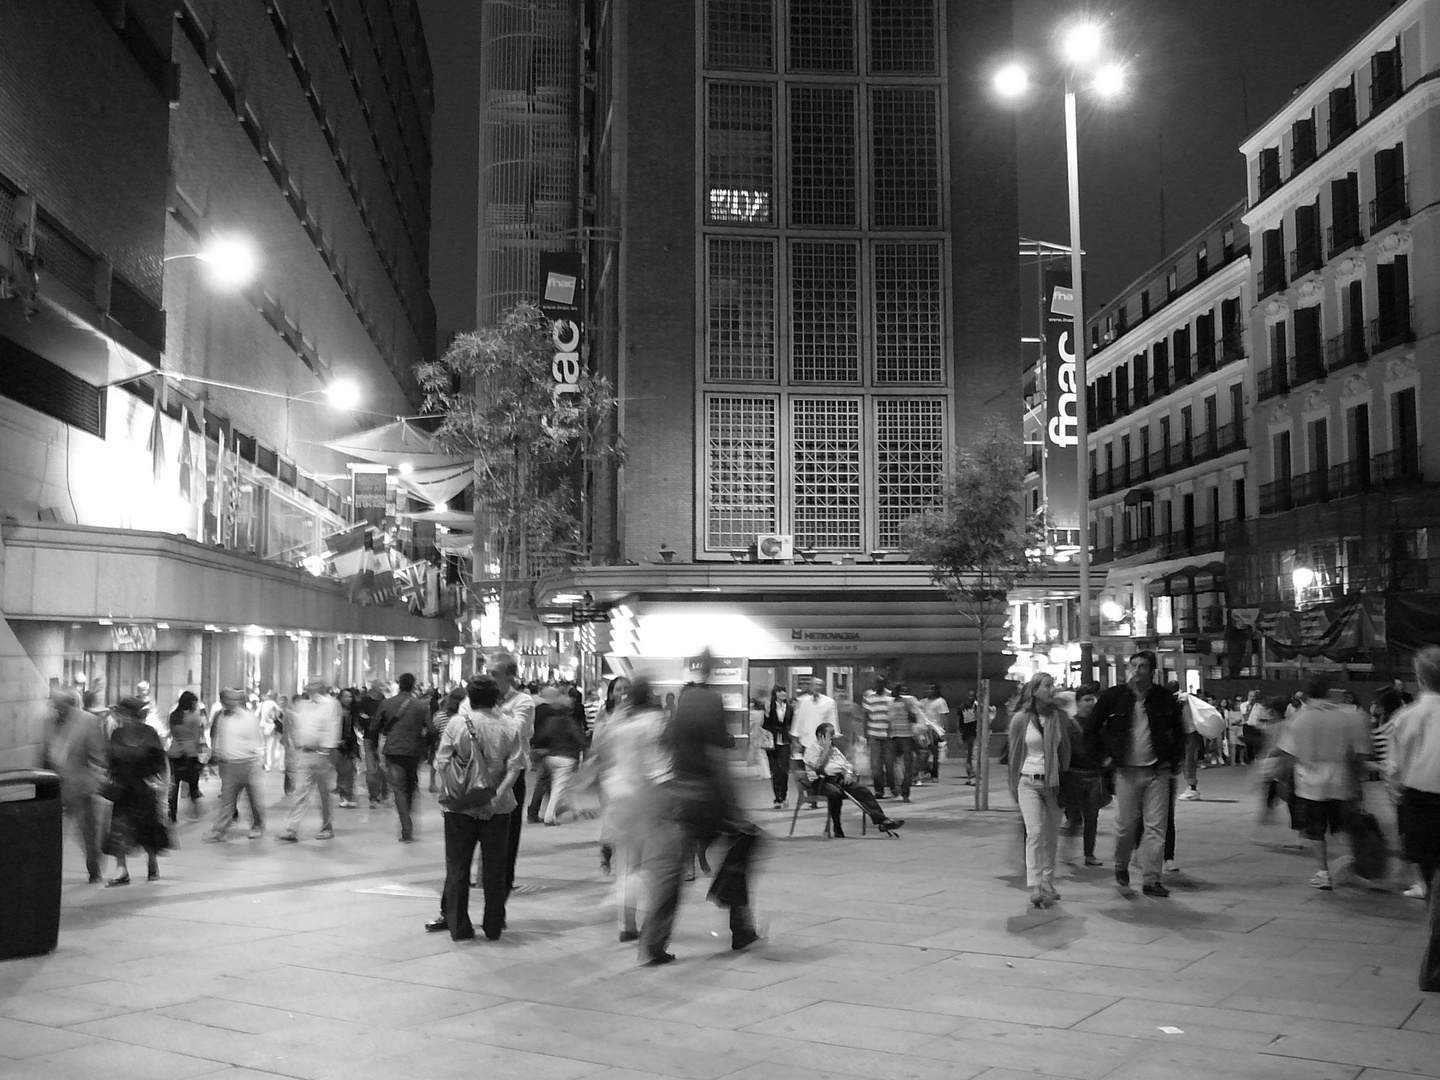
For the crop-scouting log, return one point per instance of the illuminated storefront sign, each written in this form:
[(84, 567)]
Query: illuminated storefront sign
[(1062, 400)]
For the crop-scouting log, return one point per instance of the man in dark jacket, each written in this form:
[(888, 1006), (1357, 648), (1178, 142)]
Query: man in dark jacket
[(404, 722), (1144, 738), (366, 711)]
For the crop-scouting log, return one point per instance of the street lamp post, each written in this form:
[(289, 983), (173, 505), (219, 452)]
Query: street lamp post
[(1082, 46)]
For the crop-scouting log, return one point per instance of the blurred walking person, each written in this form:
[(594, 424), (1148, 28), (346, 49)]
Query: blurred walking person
[(519, 708), (377, 785), (937, 718), (1039, 756), (79, 751), (348, 752), (137, 766), (187, 748), (1084, 785), (236, 747), (404, 737), (314, 732), (1415, 772), (478, 728)]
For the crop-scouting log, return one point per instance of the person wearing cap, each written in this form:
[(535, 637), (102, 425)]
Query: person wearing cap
[(314, 732), (137, 759), (236, 747)]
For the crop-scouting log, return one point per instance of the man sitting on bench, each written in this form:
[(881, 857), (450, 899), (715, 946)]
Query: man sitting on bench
[(832, 774)]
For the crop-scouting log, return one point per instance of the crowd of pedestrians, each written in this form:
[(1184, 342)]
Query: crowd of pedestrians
[(667, 794)]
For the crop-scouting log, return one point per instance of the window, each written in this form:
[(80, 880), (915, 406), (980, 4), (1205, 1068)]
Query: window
[(905, 163), (1237, 405), (1145, 304), (740, 153), (1319, 446), (1392, 323), (1385, 78), (822, 35), (1269, 178), (741, 459), (1172, 283), (740, 34), (740, 298), (1228, 239), (1238, 496), (910, 461), (1391, 202), (1308, 350), (1342, 111), (1344, 213), (825, 452), (822, 156), (909, 313), (1281, 463), (1202, 262), (38, 384), (824, 312), (1405, 427), (1272, 270), (1307, 238), (903, 37), (1302, 143)]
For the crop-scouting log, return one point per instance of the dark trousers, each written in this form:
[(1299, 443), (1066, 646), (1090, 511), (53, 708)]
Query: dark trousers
[(462, 834), (375, 780), (517, 821), (1083, 791), (779, 756), (932, 754), (835, 792), (405, 783), (666, 856), (541, 793), (1419, 819), (345, 775), (184, 770), (884, 754)]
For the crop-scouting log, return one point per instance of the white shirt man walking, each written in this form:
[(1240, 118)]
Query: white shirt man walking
[(316, 733)]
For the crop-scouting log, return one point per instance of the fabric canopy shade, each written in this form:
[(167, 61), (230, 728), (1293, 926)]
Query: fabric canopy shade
[(439, 485), (396, 443), (451, 519)]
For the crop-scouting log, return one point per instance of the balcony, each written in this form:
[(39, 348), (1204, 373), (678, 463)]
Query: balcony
[(1308, 365), (1391, 203), (1342, 118), (1232, 346), (1309, 488), (1391, 329), (1182, 372), (1345, 349), (1345, 233), (1272, 381), (1306, 256), (1385, 87), (1350, 478), (1032, 463), (1204, 357), (1271, 278), (1398, 467), (1269, 178), (1275, 497)]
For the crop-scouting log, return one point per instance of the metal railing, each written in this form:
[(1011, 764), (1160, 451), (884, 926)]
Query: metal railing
[(1307, 365), (1270, 279), (1275, 497), (1232, 346), (1342, 119), (1345, 233), (1204, 357), (1384, 88), (1393, 328), (1391, 203), (1400, 466), (1310, 487), (1269, 179), (1345, 349), (1272, 381), (1306, 256)]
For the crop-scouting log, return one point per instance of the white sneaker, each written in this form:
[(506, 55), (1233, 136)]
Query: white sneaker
[(1415, 892), (1322, 881), (1188, 794), (1171, 866)]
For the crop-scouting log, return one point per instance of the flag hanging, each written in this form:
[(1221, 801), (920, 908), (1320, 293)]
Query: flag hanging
[(156, 443), (347, 550)]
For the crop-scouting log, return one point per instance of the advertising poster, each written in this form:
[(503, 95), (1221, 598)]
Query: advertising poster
[(1062, 400)]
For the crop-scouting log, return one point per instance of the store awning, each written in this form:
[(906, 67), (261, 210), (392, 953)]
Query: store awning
[(451, 519), (439, 485), (397, 443)]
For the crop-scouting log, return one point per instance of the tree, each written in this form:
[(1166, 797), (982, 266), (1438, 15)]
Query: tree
[(979, 542), (494, 392)]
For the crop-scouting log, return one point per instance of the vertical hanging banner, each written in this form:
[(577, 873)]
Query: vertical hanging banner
[(561, 301), (1062, 399), (368, 484)]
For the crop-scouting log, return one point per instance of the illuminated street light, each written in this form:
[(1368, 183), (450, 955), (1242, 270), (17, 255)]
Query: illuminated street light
[(1112, 610), (1109, 81), (1303, 577), (1083, 43), (406, 468), (1012, 80), (343, 394), (232, 261)]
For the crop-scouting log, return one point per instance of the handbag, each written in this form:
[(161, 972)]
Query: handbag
[(465, 784)]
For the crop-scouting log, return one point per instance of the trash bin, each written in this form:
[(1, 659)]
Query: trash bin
[(31, 836)]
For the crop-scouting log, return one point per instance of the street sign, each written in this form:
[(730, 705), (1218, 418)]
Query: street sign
[(588, 613)]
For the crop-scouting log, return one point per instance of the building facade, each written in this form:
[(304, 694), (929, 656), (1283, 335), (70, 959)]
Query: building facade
[(1343, 189), (156, 521), (803, 284), (1168, 403)]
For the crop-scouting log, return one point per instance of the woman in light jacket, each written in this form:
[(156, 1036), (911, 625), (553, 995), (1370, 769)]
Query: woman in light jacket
[(1039, 747)]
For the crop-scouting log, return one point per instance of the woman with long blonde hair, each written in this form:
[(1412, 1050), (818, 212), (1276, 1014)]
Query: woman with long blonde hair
[(1039, 746)]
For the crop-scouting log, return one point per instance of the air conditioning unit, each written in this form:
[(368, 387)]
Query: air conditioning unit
[(771, 547)]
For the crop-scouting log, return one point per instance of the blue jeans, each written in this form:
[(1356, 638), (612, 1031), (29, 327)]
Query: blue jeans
[(883, 755), (1142, 796)]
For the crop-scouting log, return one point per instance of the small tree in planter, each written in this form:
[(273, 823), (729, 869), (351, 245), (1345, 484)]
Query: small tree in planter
[(979, 543), (494, 391)]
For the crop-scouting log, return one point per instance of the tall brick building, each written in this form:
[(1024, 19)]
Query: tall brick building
[(133, 134), (802, 280)]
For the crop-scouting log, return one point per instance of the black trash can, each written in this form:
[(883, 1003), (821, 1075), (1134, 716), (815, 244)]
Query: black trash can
[(31, 835)]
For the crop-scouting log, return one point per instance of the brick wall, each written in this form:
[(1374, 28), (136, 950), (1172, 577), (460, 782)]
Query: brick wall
[(83, 130), (658, 318)]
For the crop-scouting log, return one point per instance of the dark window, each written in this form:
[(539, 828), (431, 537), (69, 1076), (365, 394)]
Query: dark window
[(1237, 404), (1344, 213), (38, 384), (1307, 239), (1228, 238), (1392, 322), (1269, 170), (1302, 149), (1202, 262), (1282, 456), (1405, 425), (1145, 304), (1357, 420), (1320, 447), (822, 35), (1342, 111), (1308, 348), (1172, 283), (1272, 269), (1385, 78), (1162, 363), (1239, 496), (1390, 203)]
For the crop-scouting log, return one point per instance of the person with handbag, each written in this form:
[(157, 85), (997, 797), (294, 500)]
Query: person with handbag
[(480, 758), (137, 764), (1039, 755)]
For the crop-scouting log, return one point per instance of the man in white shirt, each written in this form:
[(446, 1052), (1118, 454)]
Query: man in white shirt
[(236, 746), (518, 707), (315, 720), (812, 709), (937, 717)]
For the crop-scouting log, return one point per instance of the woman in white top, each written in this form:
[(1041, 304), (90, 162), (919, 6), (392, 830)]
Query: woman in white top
[(1039, 753)]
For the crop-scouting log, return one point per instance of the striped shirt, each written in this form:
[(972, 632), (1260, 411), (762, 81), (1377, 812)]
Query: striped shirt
[(877, 714)]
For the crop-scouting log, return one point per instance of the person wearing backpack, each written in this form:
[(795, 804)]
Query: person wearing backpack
[(481, 753)]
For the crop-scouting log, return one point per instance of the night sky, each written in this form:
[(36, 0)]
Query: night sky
[(1197, 68)]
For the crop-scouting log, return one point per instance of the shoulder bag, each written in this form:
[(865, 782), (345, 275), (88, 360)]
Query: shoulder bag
[(465, 783)]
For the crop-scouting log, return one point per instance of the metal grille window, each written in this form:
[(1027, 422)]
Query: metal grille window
[(905, 188), (741, 466), (740, 296), (822, 156), (909, 313), (740, 153), (824, 312), (740, 34), (903, 37), (825, 444), (822, 35), (910, 461)]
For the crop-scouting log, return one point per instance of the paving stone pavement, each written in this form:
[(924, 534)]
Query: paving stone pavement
[(910, 959)]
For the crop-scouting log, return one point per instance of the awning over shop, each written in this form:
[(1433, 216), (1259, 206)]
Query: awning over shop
[(438, 485), (1189, 581), (397, 443), (451, 519)]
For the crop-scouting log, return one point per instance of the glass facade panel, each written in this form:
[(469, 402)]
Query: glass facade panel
[(740, 34), (903, 37), (824, 312), (741, 463), (910, 461), (822, 35), (823, 153), (740, 153), (740, 306), (825, 448), (905, 163), (909, 313)]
